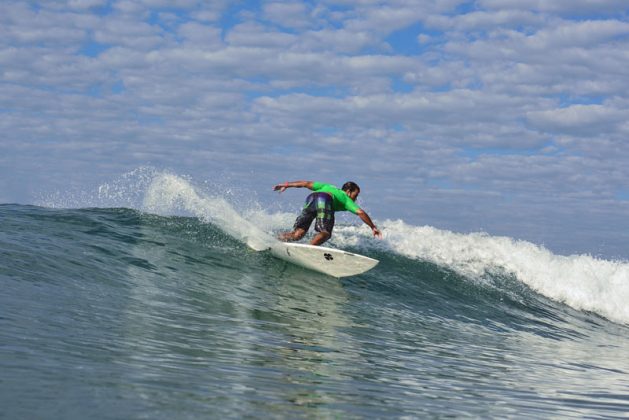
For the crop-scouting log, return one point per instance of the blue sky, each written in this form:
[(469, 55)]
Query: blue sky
[(508, 116)]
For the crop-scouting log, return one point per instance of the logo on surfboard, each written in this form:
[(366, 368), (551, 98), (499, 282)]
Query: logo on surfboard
[(328, 256)]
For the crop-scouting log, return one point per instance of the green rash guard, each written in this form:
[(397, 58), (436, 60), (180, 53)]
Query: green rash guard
[(341, 201)]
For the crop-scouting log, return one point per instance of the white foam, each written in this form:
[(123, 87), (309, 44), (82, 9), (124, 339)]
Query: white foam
[(580, 281), (168, 193)]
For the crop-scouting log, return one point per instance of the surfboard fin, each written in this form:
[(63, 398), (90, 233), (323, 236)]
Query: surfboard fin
[(257, 244)]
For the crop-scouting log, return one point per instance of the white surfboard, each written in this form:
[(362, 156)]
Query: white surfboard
[(330, 261)]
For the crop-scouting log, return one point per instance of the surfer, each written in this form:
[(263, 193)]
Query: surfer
[(321, 205)]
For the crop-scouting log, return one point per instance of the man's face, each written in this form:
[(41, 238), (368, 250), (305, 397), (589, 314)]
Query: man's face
[(353, 194)]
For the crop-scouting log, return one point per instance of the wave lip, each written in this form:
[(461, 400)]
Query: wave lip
[(168, 193), (581, 281)]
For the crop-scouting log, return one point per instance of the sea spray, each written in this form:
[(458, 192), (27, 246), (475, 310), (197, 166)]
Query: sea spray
[(168, 193), (125, 191)]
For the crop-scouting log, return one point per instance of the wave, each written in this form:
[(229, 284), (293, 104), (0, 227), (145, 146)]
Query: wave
[(582, 282)]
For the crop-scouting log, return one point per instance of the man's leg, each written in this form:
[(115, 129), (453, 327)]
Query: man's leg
[(295, 235), (302, 223), (320, 238), (325, 220)]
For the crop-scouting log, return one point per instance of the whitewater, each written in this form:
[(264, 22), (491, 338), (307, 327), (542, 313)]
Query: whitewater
[(143, 299)]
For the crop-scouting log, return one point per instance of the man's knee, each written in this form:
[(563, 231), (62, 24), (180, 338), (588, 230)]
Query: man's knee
[(298, 234), (320, 238)]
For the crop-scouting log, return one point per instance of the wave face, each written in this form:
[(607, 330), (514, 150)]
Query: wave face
[(163, 311)]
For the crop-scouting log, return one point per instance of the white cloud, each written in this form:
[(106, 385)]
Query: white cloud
[(289, 15), (386, 19), (579, 120), (339, 40), (569, 7), (251, 34), (486, 20), (86, 4), (576, 34), (516, 105), (125, 32), (203, 35)]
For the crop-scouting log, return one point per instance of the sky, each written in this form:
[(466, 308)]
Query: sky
[(504, 116)]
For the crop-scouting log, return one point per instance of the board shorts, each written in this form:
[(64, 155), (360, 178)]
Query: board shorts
[(318, 206)]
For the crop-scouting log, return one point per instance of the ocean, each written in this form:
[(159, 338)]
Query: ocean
[(158, 309)]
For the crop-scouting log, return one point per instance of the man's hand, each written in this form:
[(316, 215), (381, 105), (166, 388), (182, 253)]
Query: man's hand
[(294, 184), (281, 187), (365, 218)]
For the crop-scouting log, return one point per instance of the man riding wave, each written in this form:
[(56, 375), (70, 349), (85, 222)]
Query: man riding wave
[(321, 205)]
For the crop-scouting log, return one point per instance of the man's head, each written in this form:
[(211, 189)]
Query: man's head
[(351, 189)]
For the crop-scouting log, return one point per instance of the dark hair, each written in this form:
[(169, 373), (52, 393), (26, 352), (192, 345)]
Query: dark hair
[(350, 186)]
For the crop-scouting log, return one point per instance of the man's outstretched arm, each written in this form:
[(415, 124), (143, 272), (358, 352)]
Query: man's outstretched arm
[(365, 218), (294, 184)]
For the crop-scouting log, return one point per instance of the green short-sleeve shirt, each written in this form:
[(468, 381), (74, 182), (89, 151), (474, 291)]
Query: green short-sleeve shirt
[(341, 201)]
